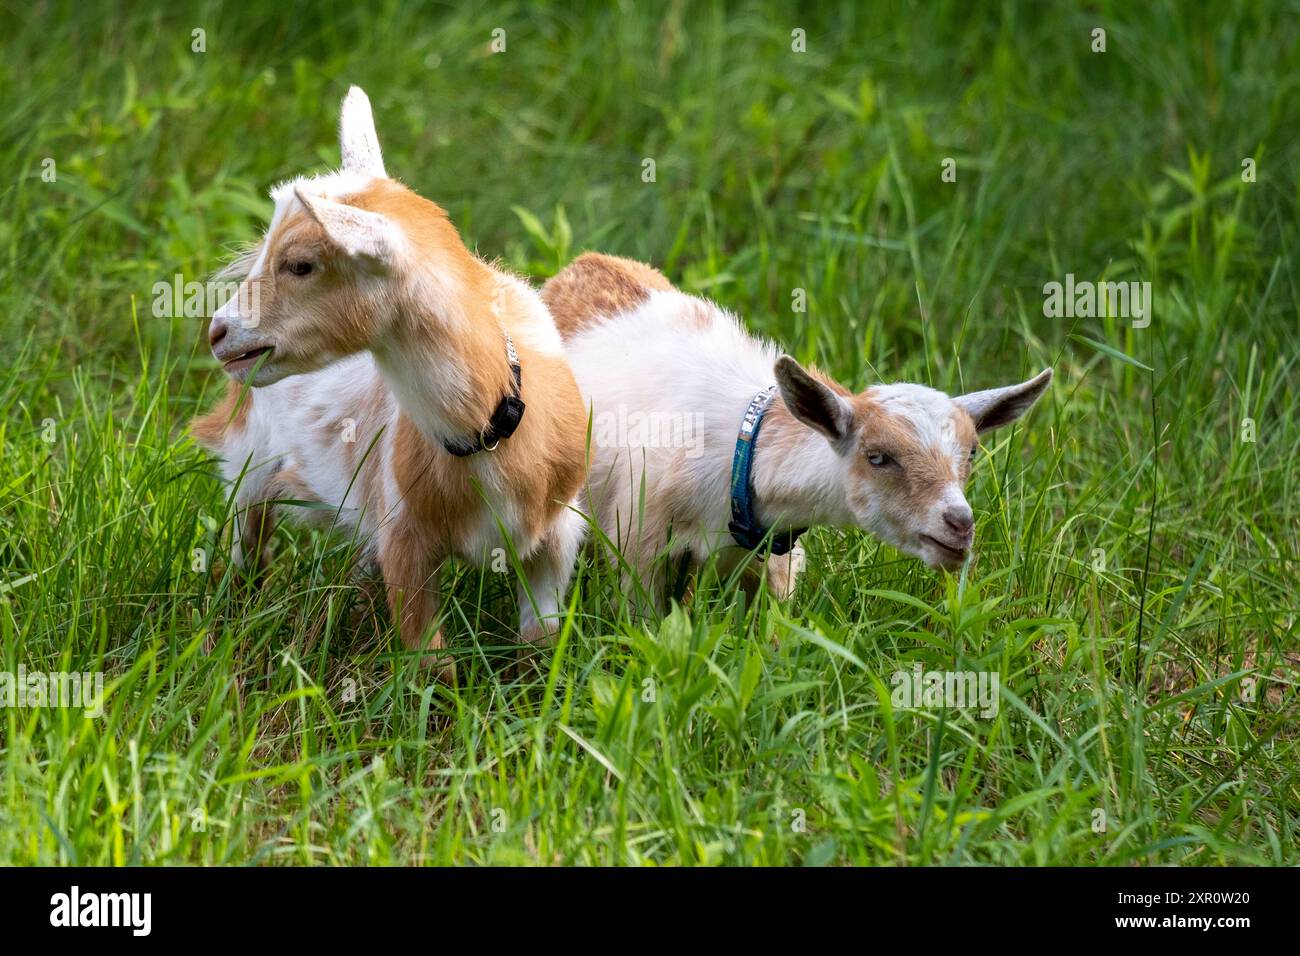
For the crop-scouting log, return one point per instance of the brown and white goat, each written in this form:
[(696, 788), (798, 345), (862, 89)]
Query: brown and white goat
[(668, 378), (378, 343)]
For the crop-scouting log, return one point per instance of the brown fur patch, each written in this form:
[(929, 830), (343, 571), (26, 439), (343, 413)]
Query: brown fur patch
[(323, 314), (782, 432), (230, 413), (288, 483), (542, 464), (967, 437), (927, 470), (259, 523), (595, 287)]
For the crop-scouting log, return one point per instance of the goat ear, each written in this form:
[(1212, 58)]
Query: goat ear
[(995, 407), (813, 403), (358, 140), (358, 232)]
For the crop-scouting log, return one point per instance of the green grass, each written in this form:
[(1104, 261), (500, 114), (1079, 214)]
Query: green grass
[(1136, 579)]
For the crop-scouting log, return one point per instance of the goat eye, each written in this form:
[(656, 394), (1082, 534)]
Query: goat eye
[(298, 267), (879, 459)]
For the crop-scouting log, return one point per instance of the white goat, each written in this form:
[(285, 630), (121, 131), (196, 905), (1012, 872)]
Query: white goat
[(669, 378), (390, 369)]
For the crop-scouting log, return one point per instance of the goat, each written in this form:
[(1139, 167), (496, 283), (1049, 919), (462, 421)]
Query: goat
[(390, 370), (892, 460)]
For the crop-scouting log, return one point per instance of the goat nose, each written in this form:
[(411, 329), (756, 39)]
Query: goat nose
[(960, 519), (216, 332)]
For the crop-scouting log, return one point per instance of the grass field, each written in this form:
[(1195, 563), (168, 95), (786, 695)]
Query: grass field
[(1136, 578)]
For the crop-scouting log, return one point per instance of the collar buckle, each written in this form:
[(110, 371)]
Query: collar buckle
[(505, 419)]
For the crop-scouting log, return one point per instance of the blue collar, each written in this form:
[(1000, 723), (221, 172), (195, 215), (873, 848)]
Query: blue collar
[(744, 527)]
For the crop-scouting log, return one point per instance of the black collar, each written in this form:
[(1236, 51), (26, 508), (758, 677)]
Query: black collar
[(745, 527), (504, 421)]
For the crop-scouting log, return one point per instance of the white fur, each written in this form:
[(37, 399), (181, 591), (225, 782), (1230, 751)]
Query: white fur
[(357, 232), (927, 410), (358, 141), (675, 355), (659, 359), (298, 423)]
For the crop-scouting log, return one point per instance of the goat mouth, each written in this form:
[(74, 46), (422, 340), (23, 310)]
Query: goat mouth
[(241, 362), (957, 554)]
